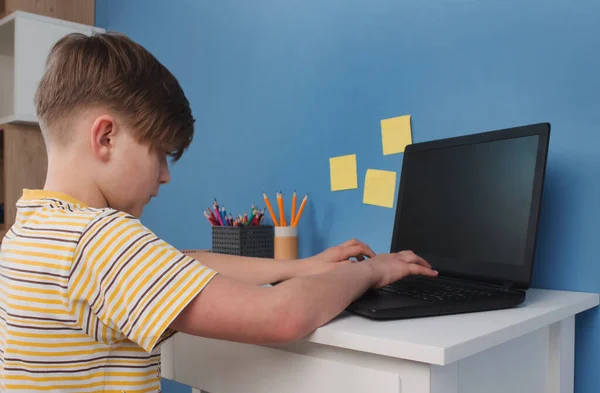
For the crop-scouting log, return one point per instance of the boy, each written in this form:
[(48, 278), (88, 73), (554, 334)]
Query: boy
[(88, 293)]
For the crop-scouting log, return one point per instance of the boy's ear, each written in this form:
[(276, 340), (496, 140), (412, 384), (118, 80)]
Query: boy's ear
[(103, 132)]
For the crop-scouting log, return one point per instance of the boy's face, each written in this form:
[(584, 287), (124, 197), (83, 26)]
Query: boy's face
[(137, 172)]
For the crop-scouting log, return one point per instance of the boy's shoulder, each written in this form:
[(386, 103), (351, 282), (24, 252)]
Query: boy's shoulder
[(61, 215), (47, 220)]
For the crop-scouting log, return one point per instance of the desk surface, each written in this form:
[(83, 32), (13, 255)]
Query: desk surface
[(446, 339)]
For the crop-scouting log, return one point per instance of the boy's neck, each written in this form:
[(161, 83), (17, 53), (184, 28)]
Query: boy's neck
[(75, 183)]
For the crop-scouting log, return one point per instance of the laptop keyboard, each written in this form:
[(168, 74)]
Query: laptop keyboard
[(437, 292)]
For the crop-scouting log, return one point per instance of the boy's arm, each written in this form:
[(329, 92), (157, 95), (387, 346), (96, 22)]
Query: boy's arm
[(247, 269), (265, 271), (230, 310)]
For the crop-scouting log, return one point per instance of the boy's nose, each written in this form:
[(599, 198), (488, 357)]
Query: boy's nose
[(165, 175)]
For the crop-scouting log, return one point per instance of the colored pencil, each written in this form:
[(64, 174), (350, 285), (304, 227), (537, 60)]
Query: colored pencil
[(252, 211), (217, 212), (218, 215), (224, 215), (209, 218), (212, 214), (261, 216)]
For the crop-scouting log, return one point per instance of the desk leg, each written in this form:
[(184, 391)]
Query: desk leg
[(444, 379), (561, 357)]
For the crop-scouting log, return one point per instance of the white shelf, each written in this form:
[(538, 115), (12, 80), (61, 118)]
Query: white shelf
[(25, 41), (47, 20), (19, 119)]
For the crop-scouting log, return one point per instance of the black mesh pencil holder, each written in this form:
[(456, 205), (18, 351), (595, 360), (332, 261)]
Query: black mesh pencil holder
[(243, 241)]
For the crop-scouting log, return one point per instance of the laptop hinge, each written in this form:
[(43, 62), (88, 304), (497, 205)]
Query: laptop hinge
[(506, 286)]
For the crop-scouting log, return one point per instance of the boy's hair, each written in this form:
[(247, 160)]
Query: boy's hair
[(113, 71)]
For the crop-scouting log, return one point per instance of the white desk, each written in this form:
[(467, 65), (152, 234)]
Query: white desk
[(525, 349)]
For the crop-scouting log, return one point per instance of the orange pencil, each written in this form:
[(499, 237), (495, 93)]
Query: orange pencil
[(293, 207), (295, 223), (271, 212), (281, 209)]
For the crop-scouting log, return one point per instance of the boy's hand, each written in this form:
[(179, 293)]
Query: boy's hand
[(388, 268), (334, 257)]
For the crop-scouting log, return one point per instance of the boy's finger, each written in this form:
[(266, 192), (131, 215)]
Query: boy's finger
[(423, 262), (354, 251), (421, 270), (366, 250), (413, 258)]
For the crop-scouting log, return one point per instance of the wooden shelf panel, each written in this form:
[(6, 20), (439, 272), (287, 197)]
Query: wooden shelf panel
[(25, 164), (79, 11)]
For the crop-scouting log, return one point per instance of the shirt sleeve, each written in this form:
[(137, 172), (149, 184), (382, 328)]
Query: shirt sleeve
[(130, 280)]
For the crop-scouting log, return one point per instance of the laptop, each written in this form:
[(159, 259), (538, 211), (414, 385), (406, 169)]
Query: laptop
[(469, 206)]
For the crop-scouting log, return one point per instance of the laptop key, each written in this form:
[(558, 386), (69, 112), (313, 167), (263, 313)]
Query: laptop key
[(435, 292)]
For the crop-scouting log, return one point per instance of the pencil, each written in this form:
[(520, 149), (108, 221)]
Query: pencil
[(211, 214), (281, 209), (302, 205), (254, 221), (224, 215), (209, 218), (252, 212), (294, 207), (270, 208), (218, 215)]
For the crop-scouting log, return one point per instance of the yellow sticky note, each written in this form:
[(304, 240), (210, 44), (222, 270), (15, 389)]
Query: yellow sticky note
[(342, 171), (380, 187), (395, 134)]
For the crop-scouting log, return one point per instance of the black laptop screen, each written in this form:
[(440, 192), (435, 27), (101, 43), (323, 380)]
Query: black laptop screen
[(467, 208)]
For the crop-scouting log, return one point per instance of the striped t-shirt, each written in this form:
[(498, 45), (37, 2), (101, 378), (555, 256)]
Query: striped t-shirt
[(86, 298)]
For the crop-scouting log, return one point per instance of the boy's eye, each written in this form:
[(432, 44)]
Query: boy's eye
[(170, 155)]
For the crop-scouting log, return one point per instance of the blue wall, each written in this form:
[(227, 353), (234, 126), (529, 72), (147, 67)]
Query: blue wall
[(277, 87)]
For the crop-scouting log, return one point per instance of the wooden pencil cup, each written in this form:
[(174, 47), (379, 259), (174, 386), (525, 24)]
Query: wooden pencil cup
[(286, 243)]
